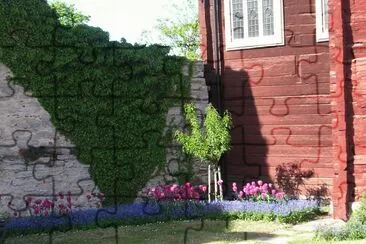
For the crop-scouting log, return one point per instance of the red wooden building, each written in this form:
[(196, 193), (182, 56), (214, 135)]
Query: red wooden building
[(293, 75)]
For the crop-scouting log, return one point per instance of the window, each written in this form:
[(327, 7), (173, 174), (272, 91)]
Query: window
[(321, 10), (253, 23)]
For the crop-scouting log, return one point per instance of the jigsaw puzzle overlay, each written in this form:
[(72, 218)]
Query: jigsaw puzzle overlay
[(80, 114), (116, 102), (297, 103)]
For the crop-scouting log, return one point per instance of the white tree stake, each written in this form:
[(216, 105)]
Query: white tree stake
[(220, 186), (215, 179), (209, 183)]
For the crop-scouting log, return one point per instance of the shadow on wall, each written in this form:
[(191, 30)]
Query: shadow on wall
[(231, 89), (246, 161)]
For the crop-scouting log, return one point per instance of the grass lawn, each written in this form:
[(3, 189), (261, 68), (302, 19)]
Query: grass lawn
[(213, 231), (169, 232)]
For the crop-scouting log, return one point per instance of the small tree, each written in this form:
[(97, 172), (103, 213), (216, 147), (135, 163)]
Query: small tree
[(208, 143)]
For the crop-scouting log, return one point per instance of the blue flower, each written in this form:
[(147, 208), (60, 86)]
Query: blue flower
[(160, 210)]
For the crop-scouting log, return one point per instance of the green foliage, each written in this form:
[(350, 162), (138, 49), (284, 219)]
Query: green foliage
[(299, 216), (68, 15), (180, 30), (360, 213), (183, 36), (355, 229), (109, 98), (292, 218), (210, 142)]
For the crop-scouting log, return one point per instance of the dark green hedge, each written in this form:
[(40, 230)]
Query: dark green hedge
[(109, 98)]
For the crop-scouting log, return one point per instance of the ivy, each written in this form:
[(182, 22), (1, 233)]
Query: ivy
[(109, 98)]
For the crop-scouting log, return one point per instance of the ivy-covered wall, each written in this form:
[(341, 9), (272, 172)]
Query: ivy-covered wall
[(109, 98)]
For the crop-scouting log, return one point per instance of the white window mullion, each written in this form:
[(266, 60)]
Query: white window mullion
[(325, 15), (231, 21), (245, 14), (278, 21), (322, 15), (260, 17)]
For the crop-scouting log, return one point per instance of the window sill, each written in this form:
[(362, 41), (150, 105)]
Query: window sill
[(231, 47), (324, 39)]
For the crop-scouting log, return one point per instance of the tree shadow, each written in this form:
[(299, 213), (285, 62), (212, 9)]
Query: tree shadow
[(290, 177), (232, 90), (246, 161), (222, 233)]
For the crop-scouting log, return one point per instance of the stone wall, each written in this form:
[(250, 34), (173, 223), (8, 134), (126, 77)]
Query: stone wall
[(35, 160), (38, 162)]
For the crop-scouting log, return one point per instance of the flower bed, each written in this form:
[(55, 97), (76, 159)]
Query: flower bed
[(292, 211)]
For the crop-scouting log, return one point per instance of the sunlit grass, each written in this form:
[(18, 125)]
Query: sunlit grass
[(236, 231)]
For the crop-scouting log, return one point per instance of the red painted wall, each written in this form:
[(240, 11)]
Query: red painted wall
[(279, 98), (304, 102), (347, 78)]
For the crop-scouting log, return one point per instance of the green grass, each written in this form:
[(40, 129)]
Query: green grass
[(307, 241), (169, 232), (213, 232)]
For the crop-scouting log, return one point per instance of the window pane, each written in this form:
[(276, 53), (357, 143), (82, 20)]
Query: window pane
[(268, 29), (325, 15), (253, 26), (238, 21)]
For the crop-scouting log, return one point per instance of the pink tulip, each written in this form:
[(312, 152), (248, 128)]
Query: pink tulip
[(172, 188), (260, 182), (203, 188), (279, 195)]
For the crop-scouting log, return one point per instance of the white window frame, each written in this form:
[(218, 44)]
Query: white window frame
[(255, 42), (322, 32)]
